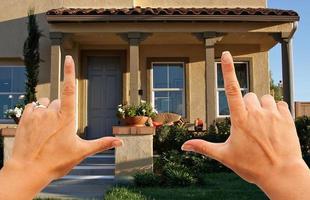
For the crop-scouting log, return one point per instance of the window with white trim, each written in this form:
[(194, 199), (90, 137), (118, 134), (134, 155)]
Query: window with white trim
[(168, 87), (12, 88), (242, 72)]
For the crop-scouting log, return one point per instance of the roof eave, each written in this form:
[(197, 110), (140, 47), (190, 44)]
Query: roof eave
[(171, 18)]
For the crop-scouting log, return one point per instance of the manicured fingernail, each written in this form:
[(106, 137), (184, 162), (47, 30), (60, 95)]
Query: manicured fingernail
[(117, 143), (187, 147), (226, 57)]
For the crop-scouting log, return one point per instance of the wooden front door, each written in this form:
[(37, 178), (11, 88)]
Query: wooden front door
[(104, 94)]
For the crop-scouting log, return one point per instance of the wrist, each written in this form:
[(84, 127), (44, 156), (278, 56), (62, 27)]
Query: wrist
[(26, 178), (279, 182)]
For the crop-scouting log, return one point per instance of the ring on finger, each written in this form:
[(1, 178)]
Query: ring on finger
[(37, 104)]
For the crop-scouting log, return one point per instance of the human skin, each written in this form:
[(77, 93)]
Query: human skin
[(46, 144), (263, 147)]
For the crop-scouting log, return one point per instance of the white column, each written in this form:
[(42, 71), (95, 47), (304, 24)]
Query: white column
[(210, 39), (134, 41), (56, 41)]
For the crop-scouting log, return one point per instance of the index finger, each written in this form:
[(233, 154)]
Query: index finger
[(67, 106), (232, 88)]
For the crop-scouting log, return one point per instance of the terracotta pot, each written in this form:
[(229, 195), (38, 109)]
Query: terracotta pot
[(135, 121)]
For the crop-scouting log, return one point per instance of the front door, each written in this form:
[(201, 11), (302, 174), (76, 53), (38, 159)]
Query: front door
[(104, 94)]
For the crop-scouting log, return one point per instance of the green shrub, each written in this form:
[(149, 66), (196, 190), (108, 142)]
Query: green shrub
[(146, 179), (178, 175), (167, 143), (169, 138), (303, 130), (122, 193)]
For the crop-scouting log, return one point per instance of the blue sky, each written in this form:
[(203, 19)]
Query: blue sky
[(301, 48)]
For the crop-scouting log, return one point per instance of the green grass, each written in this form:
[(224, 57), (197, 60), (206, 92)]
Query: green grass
[(220, 186)]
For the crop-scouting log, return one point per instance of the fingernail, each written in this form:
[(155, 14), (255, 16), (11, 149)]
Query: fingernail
[(226, 57), (68, 57), (187, 147), (117, 143)]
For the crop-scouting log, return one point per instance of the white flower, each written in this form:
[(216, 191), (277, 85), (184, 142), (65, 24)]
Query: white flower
[(18, 112), (120, 105), (120, 110), (144, 111), (142, 101)]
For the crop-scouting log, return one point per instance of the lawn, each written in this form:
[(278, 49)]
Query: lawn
[(220, 186)]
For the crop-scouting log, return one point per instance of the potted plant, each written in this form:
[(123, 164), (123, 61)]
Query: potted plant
[(15, 113), (135, 115)]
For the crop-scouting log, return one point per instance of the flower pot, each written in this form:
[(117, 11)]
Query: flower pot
[(135, 121)]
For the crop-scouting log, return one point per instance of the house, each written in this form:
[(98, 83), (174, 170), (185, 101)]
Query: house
[(302, 109), (166, 52)]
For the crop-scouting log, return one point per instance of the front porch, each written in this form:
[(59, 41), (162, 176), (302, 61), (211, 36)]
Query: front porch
[(196, 44)]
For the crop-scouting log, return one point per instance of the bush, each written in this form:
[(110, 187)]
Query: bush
[(191, 166), (146, 179), (169, 138), (122, 193), (178, 175), (303, 130)]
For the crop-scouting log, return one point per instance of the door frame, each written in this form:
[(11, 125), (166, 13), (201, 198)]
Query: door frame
[(83, 83)]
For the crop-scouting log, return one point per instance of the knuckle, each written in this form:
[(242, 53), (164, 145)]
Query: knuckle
[(267, 98), (249, 96), (232, 89), (69, 89), (282, 104)]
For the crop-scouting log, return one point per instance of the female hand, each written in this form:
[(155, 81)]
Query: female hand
[(263, 147), (46, 144)]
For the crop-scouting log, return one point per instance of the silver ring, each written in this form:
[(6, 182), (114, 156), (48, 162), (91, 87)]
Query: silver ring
[(38, 105)]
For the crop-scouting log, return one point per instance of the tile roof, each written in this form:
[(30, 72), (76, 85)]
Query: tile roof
[(171, 14), (172, 11)]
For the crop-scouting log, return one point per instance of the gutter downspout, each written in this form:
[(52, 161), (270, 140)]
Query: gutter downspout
[(288, 74)]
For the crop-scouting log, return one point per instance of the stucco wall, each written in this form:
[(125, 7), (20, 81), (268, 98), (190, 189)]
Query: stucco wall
[(196, 79), (258, 70)]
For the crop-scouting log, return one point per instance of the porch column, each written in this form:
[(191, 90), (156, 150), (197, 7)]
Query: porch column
[(134, 81), (288, 74), (56, 41), (210, 39)]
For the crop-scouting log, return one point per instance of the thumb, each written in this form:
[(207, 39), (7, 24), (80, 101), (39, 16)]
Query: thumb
[(101, 144), (212, 150)]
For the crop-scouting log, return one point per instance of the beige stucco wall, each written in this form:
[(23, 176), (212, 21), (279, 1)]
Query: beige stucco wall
[(195, 81), (258, 70)]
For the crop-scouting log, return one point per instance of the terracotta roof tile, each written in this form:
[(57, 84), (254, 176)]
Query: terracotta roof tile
[(172, 11)]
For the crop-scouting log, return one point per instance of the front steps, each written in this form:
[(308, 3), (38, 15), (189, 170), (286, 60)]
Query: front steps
[(89, 180)]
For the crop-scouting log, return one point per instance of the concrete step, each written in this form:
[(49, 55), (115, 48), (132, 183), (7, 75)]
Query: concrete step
[(99, 169), (89, 180), (78, 187), (99, 159), (84, 180)]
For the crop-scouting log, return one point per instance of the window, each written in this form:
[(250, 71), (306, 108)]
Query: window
[(243, 78), (12, 88), (168, 87)]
